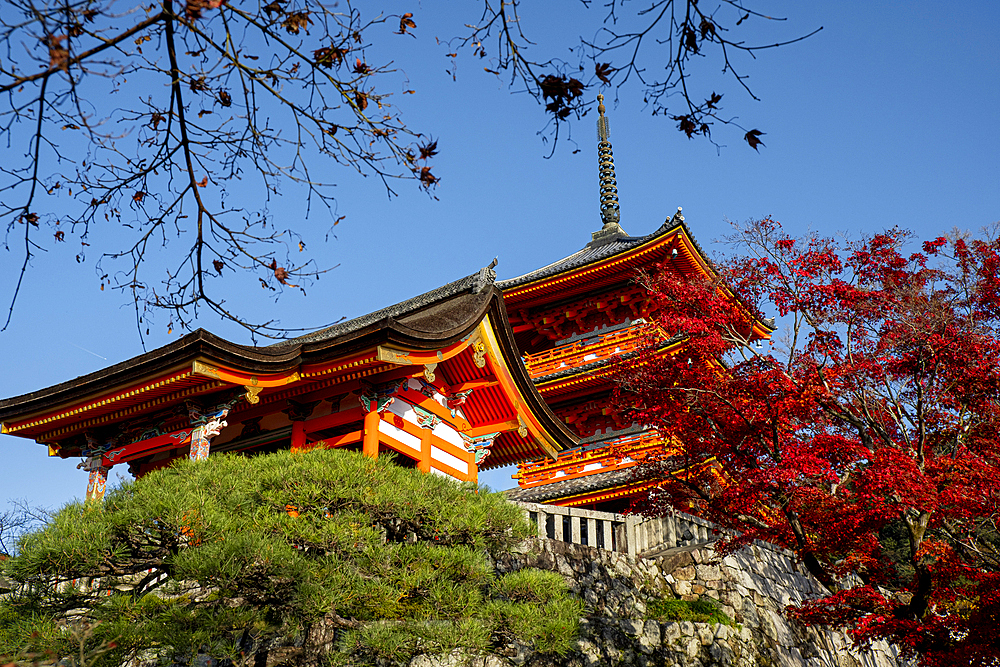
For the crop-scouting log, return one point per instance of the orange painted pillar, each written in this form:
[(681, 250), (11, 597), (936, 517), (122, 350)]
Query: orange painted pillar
[(369, 444), (424, 464), (298, 436)]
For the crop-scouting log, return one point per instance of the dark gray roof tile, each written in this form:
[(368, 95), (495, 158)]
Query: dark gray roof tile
[(571, 487)]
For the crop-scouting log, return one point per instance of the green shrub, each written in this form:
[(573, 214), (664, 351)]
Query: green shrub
[(225, 555)]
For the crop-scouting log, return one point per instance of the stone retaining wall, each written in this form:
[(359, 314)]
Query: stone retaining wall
[(752, 587)]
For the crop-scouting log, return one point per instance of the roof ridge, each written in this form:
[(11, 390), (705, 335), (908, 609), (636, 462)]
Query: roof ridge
[(475, 282), (592, 252)]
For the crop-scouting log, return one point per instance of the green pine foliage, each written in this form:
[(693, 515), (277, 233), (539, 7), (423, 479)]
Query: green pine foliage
[(320, 558)]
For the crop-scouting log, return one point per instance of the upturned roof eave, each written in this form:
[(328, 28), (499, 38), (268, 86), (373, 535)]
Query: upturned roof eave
[(361, 333), (589, 255)]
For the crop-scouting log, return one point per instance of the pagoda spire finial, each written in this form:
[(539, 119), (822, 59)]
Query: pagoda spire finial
[(610, 214)]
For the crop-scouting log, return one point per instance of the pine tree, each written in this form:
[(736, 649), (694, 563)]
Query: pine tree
[(291, 558)]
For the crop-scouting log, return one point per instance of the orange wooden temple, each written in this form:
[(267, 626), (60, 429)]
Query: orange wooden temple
[(471, 376), (437, 380)]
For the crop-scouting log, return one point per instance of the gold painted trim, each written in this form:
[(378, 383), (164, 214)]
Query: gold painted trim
[(251, 395), (199, 368), (391, 356), (334, 369), (139, 407), (96, 404), (526, 420)]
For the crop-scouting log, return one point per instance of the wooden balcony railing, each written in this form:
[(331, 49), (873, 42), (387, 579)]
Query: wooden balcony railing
[(581, 353)]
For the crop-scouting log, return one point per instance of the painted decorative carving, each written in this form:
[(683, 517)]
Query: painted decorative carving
[(300, 411), (427, 389), (457, 400), (208, 423), (252, 395), (98, 479), (429, 372), (480, 446), (391, 356), (97, 445), (522, 429), (425, 418), (111, 456), (199, 368), (479, 354), (251, 427), (91, 463), (380, 397), (97, 483), (214, 426)]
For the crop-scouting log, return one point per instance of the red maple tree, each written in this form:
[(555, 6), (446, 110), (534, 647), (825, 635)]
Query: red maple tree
[(865, 439)]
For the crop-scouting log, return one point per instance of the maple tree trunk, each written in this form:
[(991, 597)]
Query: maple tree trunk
[(809, 559), (918, 603)]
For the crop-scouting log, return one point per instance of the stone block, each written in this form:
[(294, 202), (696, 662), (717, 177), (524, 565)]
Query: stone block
[(782, 631), (721, 654), (670, 563), (590, 653), (649, 640), (685, 573), (706, 634), (708, 572)]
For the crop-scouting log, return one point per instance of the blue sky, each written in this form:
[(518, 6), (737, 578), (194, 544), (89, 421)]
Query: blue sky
[(888, 117)]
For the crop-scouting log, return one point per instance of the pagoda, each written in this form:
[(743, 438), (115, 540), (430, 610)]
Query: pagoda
[(571, 319), (435, 380), (474, 375)]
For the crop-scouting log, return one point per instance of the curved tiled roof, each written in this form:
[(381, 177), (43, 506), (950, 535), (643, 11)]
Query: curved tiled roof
[(476, 283), (441, 313), (598, 250)]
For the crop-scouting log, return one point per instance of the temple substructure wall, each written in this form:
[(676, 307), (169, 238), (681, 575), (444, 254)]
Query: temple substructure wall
[(752, 587)]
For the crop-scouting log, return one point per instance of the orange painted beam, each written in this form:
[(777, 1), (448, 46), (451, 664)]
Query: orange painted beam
[(332, 420), (472, 384), (234, 376), (493, 427)]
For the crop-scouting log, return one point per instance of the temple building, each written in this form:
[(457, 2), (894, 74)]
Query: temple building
[(571, 319), (474, 375), (436, 379)]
